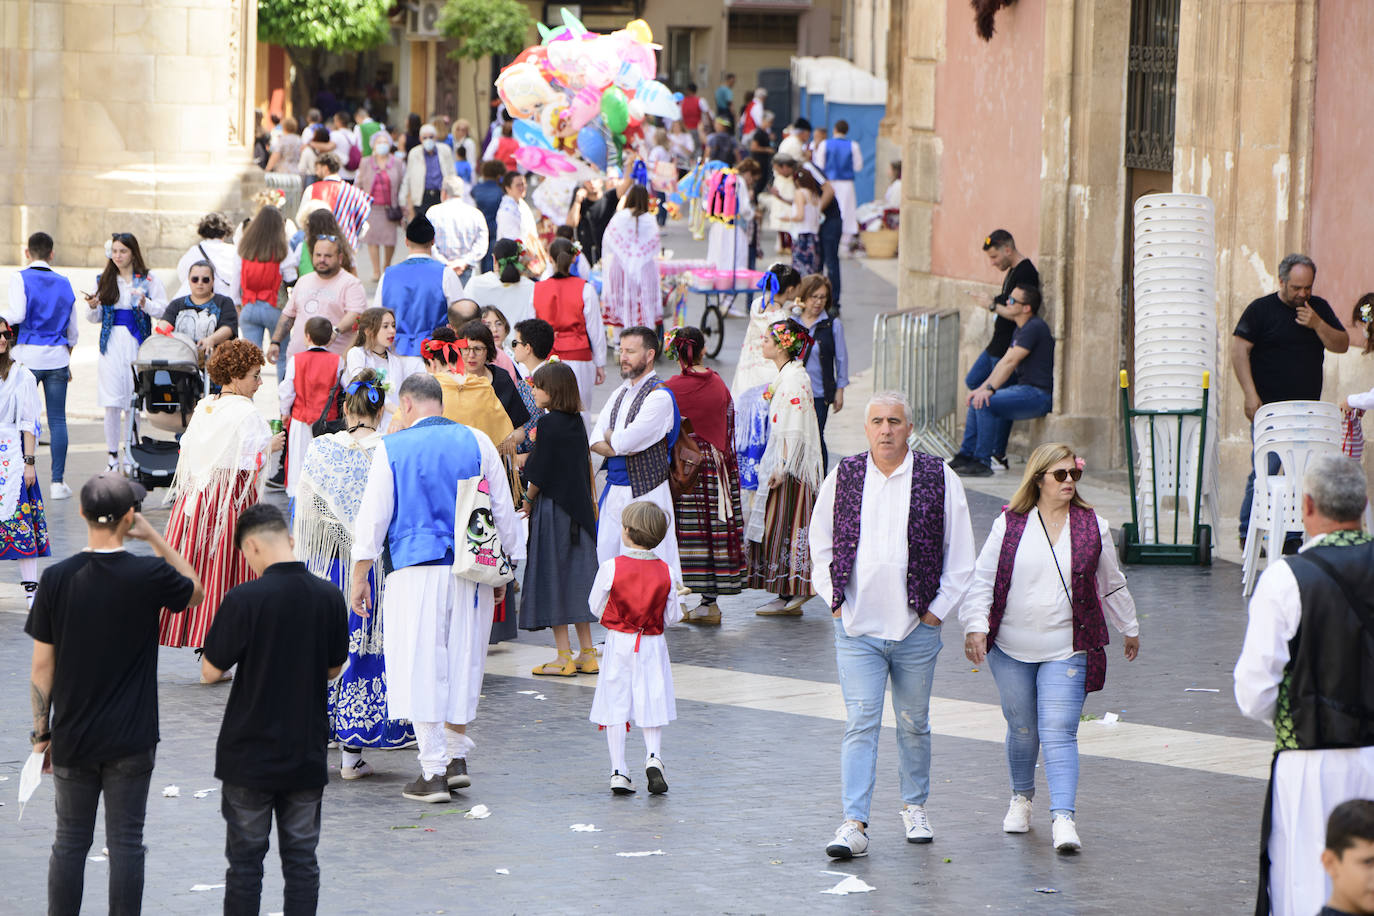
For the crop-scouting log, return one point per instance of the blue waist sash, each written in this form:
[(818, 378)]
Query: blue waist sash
[(617, 475), (127, 319)]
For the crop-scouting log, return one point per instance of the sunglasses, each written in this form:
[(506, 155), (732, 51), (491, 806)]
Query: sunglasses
[(7, 334), (202, 280), (1063, 473), (326, 238)]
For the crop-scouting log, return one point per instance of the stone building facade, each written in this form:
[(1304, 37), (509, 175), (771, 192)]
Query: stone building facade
[(124, 115), (1028, 132)]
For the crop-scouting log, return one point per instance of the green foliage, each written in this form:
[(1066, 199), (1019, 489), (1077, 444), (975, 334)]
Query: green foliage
[(485, 28), (330, 25)]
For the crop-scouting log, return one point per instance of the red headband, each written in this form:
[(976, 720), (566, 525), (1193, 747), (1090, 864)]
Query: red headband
[(448, 351)]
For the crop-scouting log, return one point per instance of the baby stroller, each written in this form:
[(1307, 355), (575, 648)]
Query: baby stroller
[(168, 383)]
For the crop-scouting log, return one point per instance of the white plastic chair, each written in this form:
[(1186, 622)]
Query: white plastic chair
[(1178, 202)]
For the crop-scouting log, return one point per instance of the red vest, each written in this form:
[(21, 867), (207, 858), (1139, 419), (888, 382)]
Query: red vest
[(558, 300), (260, 281), (639, 592), (316, 373), (505, 151)]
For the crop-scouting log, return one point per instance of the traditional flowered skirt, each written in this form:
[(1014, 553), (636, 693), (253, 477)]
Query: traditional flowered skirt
[(357, 701), (214, 558), (710, 527), (781, 564), (25, 534), (806, 254)]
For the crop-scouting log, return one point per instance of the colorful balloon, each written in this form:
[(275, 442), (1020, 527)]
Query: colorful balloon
[(585, 106), (592, 145), (524, 90), (656, 99), (529, 134), (615, 108)]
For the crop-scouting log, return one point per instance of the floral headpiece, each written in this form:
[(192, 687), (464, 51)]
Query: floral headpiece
[(1366, 312), (376, 390), (791, 338), (270, 197), (678, 346), (515, 258)]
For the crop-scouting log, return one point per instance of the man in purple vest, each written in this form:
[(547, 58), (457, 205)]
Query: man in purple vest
[(41, 307), (892, 552)]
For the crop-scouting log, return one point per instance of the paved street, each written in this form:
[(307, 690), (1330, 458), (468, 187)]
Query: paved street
[(1168, 806)]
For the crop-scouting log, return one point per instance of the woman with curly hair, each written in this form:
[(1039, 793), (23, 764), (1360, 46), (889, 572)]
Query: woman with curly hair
[(222, 470)]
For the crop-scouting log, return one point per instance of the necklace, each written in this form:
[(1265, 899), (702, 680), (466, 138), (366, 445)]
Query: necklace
[(1054, 522)]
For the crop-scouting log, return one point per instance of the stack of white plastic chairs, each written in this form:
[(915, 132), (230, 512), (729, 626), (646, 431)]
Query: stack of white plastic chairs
[(1297, 432), (1174, 276)]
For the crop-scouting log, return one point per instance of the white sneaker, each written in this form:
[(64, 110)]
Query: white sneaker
[(850, 842), (620, 784), (653, 771), (113, 463), (918, 829), (60, 490), (357, 771), (1065, 835), (1018, 817), (1000, 465)]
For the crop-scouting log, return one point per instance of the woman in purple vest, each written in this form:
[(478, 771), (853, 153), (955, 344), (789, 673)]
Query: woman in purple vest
[(1045, 584)]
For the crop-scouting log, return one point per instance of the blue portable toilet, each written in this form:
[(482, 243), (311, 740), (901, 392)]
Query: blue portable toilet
[(833, 89)]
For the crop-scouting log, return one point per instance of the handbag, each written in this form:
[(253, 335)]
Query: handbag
[(395, 214), (687, 459), (478, 555), (324, 426)]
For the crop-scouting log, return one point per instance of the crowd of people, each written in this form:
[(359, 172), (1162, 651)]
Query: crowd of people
[(446, 476)]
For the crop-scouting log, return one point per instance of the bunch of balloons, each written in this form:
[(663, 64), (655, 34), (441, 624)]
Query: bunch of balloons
[(578, 97)]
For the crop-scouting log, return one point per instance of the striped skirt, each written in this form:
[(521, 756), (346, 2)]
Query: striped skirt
[(781, 564), (711, 548), (201, 528)]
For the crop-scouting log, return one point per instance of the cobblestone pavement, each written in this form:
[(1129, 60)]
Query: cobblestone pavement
[(1169, 798)]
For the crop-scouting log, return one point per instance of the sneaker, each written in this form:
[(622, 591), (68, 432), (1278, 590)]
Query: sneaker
[(620, 784), (431, 789), (1000, 464), (974, 468), (112, 464), (59, 491), (1018, 815), (30, 589), (357, 771), (850, 842), (457, 773), (653, 771), (278, 480), (1065, 835), (918, 829), (958, 461)]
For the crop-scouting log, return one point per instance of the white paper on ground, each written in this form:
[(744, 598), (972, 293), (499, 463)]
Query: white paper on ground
[(478, 812), (171, 791), (203, 792), (29, 778), (584, 828), (1201, 690), (95, 858), (850, 885), (206, 887), (527, 693), (503, 871), (1110, 718), (636, 855)]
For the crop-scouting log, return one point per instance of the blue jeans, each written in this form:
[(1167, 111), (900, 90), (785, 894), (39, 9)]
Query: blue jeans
[(258, 320), (124, 783), (993, 422), (977, 374), (828, 239), (248, 822), (1042, 703), (865, 664), (54, 382)]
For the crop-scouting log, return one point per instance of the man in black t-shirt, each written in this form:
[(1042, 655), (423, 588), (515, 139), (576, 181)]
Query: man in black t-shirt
[(1277, 351), (94, 686), (287, 631), (1018, 271), (1020, 386), (593, 207)]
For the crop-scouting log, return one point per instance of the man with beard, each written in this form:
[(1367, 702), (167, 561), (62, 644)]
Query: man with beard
[(327, 292), (635, 433)]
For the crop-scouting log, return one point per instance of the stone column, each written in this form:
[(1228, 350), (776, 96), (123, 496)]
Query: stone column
[(1243, 136), (125, 116), (924, 22)]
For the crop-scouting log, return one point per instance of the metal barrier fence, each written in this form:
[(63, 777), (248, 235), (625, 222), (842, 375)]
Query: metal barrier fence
[(916, 352), (289, 184)]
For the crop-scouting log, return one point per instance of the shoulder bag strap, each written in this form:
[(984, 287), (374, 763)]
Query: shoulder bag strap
[(1068, 594)]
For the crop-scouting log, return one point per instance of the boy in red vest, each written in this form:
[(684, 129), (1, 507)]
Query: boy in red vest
[(304, 394), (635, 597)]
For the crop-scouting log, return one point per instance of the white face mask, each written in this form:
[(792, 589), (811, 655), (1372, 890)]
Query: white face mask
[(428, 144), (382, 148)]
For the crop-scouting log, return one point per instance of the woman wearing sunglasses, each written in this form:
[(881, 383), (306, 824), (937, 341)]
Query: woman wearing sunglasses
[(1045, 585)]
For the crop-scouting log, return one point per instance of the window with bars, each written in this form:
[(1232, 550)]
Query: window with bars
[(763, 29), (1151, 84)]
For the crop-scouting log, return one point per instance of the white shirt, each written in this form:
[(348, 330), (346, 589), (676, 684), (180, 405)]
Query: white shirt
[(343, 146), (379, 502), (892, 197), (38, 356), (1037, 622), (875, 598), (452, 286), (1275, 612), (605, 578), (509, 219), (653, 422), (286, 391), (1357, 401), (224, 257), (515, 301), (460, 234), (792, 145)]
